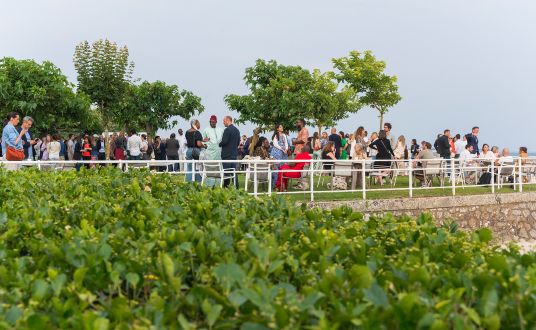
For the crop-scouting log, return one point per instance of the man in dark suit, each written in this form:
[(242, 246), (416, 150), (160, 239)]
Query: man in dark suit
[(443, 145), (27, 139), (229, 148), (337, 141)]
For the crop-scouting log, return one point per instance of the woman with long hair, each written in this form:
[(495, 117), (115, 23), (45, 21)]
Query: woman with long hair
[(280, 148), (385, 153), (194, 142)]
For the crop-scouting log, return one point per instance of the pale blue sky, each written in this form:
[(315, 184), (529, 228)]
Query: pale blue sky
[(459, 63)]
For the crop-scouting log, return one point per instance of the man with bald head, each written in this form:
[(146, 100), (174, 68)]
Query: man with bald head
[(229, 147), (337, 141)]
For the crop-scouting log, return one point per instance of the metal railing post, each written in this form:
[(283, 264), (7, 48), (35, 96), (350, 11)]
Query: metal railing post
[(453, 175), (270, 179), (410, 177), (311, 183), (520, 175), (193, 170), (255, 179), (363, 178), (493, 176)]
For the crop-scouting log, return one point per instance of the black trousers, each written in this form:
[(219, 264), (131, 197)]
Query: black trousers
[(230, 167)]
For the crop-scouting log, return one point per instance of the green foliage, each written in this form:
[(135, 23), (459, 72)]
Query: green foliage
[(367, 76), (44, 93), (104, 73), (152, 106), (104, 249), (279, 94), (328, 103)]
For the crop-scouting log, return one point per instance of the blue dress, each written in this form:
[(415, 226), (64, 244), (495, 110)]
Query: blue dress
[(278, 154)]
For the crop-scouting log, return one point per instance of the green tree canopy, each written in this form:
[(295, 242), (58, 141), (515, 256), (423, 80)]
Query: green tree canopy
[(278, 94), (152, 106), (367, 76), (328, 103), (104, 73), (41, 91)]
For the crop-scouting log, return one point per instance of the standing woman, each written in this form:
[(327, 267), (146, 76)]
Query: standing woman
[(53, 148), (317, 149), (359, 141), (280, 148), (12, 148), (344, 144), (414, 149), (86, 149), (44, 147), (385, 153), (194, 142)]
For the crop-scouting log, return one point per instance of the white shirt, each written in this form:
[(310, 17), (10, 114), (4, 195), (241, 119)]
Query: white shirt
[(466, 156), (460, 146), (487, 156), (134, 145), (213, 144), (506, 159), (182, 144)]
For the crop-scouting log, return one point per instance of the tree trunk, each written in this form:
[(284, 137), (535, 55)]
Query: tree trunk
[(381, 120), (319, 130)]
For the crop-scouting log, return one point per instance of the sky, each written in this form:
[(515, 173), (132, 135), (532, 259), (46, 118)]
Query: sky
[(459, 63)]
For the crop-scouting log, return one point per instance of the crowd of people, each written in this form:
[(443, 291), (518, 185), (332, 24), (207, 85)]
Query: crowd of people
[(225, 143)]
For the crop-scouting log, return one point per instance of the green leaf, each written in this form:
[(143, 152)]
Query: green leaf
[(132, 279), (58, 284), (212, 312), (489, 302), (485, 235), (13, 314), (105, 251), (473, 315), (79, 275), (101, 323), (377, 296), (184, 323), (361, 276), (39, 289)]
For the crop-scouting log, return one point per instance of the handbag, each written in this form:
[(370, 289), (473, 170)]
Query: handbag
[(196, 152), (13, 154)]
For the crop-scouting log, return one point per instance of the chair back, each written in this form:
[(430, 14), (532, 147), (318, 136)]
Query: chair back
[(432, 167), (506, 169), (343, 169), (212, 169), (263, 171)]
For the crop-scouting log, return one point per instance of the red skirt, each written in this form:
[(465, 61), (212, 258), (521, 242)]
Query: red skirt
[(119, 154)]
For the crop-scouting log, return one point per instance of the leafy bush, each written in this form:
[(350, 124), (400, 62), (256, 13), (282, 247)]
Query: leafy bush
[(104, 249)]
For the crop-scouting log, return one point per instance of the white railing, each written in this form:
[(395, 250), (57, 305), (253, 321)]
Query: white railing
[(362, 177)]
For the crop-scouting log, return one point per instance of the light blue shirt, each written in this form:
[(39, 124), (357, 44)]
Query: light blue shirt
[(9, 135)]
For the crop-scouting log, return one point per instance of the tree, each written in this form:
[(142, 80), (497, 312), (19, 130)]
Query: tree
[(151, 106), (44, 93), (366, 75), (328, 103), (104, 74), (279, 94)]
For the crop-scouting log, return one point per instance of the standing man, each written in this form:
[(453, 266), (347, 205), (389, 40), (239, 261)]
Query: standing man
[(134, 146), (337, 141), (70, 147), (212, 137), (229, 147), (390, 136), (443, 145), (27, 139), (172, 152), (303, 136), (183, 146), (472, 140)]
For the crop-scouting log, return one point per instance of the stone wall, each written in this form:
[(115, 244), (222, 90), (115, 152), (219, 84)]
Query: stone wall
[(512, 217)]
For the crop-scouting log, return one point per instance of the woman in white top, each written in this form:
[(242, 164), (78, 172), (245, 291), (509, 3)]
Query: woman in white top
[(54, 148), (486, 153), (400, 147)]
